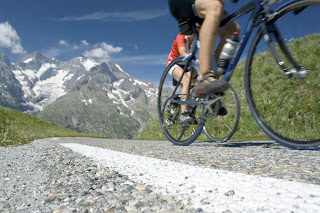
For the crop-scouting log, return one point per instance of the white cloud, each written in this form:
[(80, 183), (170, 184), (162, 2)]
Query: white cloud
[(10, 39), (64, 43), (74, 46), (102, 51), (119, 16), (65, 47), (84, 42)]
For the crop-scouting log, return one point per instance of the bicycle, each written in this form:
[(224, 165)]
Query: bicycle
[(282, 99), (222, 127)]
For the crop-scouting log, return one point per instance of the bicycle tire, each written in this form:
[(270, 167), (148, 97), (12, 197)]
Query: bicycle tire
[(222, 128), (187, 134), (287, 109)]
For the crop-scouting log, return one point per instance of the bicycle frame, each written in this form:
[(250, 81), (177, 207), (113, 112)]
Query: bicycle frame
[(257, 18), (255, 6)]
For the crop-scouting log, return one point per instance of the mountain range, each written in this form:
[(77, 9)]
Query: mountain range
[(80, 94)]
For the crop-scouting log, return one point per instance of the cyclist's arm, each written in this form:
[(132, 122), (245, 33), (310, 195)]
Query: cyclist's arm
[(181, 42), (182, 51)]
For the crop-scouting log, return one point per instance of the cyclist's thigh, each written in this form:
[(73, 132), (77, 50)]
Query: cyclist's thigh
[(178, 72)]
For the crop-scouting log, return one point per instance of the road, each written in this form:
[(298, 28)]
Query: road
[(78, 174)]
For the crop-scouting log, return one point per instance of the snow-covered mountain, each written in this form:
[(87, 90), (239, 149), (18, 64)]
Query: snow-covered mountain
[(11, 94), (106, 101), (80, 94), (43, 80)]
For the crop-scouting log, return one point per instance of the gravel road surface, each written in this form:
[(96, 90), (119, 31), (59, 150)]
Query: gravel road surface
[(45, 176)]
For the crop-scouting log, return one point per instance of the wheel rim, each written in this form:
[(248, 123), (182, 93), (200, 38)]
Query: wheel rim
[(286, 109), (222, 128), (175, 131)]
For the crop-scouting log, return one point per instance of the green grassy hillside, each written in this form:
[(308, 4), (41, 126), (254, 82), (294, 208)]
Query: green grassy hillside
[(19, 128), (248, 130)]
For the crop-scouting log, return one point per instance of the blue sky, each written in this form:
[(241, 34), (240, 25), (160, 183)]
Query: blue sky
[(136, 34)]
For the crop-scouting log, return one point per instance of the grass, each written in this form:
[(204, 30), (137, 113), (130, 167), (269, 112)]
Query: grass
[(273, 93), (18, 128)]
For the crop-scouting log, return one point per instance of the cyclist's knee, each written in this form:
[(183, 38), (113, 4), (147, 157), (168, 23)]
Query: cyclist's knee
[(236, 27), (209, 8), (232, 27)]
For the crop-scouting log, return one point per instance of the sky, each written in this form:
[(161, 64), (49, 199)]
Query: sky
[(136, 34)]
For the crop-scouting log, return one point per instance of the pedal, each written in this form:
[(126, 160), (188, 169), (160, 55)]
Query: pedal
[(294, 73)]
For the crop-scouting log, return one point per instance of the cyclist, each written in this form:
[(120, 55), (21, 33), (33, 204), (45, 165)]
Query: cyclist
[(181, 47), (208, 13)]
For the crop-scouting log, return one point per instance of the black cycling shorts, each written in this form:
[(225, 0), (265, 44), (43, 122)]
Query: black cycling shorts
[(185, 12), (182, 9)]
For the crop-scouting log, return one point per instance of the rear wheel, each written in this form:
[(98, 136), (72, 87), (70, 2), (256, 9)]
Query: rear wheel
[(287, 107), (169, 112), (222, 128)]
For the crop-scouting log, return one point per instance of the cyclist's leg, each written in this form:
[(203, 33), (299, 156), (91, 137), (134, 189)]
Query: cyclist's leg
[(224, 33), (176, 74), (211, 11)]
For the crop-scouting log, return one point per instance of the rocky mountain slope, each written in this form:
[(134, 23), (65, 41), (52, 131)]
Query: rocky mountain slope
[(11, 94), (80, 94), (104, 103)]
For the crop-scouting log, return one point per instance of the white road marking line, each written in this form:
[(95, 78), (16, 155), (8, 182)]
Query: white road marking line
[(194, 184)]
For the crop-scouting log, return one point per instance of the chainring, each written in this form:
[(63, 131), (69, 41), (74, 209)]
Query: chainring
[(207, 111)]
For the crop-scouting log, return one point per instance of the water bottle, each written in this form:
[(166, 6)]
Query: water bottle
[(227, 53)]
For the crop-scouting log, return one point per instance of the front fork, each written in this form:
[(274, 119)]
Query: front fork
[(271, 29)]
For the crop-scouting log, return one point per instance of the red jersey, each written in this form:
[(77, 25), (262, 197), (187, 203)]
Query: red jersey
[(180, 41)]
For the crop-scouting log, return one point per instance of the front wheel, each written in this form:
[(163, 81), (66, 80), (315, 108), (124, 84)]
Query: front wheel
[(287, 107)]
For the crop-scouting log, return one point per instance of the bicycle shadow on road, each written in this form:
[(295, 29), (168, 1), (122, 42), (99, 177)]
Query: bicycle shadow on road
[(238, 144)]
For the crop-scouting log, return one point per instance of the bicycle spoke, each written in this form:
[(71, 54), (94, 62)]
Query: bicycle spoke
[(270, 85)]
